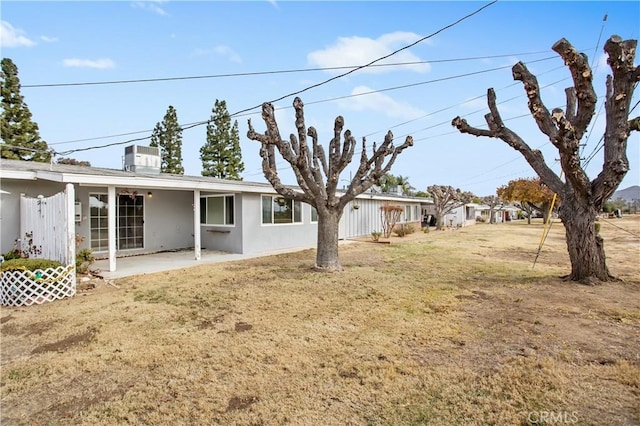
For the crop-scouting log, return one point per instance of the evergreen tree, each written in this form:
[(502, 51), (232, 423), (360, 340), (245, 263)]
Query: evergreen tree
[(167, 135), (221, 156), (16, 127)]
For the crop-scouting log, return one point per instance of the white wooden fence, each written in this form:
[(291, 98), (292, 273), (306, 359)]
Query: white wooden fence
[(47, 226)]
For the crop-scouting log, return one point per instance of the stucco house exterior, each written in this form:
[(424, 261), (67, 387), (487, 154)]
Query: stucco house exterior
[(503, 214), (139, 210)]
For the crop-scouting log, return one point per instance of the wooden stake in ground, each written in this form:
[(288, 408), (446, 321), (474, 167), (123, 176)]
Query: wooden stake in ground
[(318, 174)]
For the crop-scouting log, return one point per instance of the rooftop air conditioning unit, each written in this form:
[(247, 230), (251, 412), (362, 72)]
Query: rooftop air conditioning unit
[(142, 159)]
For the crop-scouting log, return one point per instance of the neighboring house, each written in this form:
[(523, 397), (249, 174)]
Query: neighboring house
[(503, 214), (140, 210), (458, 217)]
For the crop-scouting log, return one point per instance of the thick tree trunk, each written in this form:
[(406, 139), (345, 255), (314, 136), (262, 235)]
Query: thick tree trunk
[(327, 255), (586, 248), (440, 225)]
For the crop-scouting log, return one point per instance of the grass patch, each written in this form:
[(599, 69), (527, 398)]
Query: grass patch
[(451, 327)]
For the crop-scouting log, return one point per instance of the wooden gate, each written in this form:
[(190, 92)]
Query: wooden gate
[(47, 226)]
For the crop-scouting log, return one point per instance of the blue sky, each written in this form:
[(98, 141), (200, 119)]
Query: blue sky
[(77, 42)]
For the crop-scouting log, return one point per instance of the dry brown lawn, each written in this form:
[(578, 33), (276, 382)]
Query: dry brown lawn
[(445, 328)]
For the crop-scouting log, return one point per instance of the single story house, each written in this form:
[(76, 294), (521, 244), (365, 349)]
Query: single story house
[(460, 216), (139, 210), (503, 214)]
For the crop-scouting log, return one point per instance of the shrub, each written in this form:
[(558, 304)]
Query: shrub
[(375, 235), (404, 229), (12, 254), (84, 260), (29, 264), (597, 225)]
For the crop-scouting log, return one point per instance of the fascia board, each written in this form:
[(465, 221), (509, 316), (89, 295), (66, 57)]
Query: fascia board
[(163, 183), (17, 174)]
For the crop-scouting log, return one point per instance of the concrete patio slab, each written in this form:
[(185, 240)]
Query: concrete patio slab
[(167, 261)]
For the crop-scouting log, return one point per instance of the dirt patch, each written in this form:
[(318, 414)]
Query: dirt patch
[(241, 402), (66, 343), (243, 326), (36, 328), (211, 323)]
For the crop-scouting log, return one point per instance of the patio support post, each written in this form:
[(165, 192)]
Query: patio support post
[(71, 224), (196, 223), (111, 215)]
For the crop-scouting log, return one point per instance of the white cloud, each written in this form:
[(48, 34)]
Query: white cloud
[(89, 63), (13, 37), (220, 50), (379, 102), (151, 6), (48, 39), (354, 51)]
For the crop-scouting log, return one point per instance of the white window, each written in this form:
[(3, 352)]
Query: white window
[(407, 213), (411, 213), (279, 210), (314, 214), (217, 210)]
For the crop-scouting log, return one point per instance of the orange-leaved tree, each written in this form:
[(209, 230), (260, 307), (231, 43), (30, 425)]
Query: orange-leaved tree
[(530, 195)]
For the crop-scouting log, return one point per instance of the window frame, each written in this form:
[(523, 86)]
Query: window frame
[(99, 229), (204, 201), (295, 208)]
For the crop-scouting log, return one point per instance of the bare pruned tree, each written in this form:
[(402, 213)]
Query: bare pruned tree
[(318, 174), (582, 198), (495, 204), (445, 200), (389, 216)]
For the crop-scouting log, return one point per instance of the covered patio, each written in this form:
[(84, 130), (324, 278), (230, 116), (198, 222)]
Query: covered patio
[(171, 260)]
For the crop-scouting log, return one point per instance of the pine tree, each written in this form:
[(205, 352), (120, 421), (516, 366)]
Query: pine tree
[(167, 135), (221, 156), (16, 127)]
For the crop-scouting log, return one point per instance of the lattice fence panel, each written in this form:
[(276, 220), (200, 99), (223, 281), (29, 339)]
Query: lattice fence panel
[(26, 288)]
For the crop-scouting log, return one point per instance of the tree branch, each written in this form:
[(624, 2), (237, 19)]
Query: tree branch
[(538, 110), (270, 139), (309, 167), (499, 131), (617, 105), (582, 75), (570, 94)]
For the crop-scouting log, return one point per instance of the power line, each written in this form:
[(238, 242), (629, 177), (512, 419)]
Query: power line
[(619, 227), (388, 89), (272, 72), (199, 123), (328, 80), (375, 60)]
